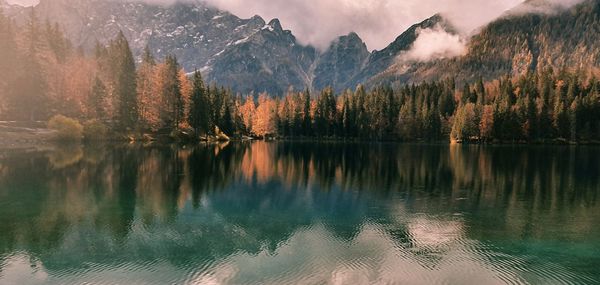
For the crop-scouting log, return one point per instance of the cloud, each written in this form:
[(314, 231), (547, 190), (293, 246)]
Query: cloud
[(22, 2), (435, 43), (544, 6), (378, 22)]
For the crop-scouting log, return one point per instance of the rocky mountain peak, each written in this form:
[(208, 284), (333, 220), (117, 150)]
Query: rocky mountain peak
[(344, 58), (275, 25), (258, 20), (351, 39)]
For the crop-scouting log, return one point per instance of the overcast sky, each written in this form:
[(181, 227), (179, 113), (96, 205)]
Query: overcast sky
[(378, 22), (23, 2)]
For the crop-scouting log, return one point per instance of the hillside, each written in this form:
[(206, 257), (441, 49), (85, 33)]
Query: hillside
[(519, 42)]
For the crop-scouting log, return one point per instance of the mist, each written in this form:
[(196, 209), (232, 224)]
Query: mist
[(22, 2), (433, 44), (437, 43), (544, 6), (377, 22)]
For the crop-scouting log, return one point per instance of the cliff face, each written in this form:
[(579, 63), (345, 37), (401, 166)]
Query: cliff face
[(344, 59)]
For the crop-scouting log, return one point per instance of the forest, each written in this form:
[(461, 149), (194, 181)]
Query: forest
[(107, 94)]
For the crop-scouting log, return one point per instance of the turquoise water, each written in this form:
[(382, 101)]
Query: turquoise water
[(300, 213)]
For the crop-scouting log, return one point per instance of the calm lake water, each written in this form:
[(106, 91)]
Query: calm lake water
[(300, 213)]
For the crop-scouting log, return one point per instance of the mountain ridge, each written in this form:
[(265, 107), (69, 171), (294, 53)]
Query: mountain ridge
[(515, 45), (251, 55)]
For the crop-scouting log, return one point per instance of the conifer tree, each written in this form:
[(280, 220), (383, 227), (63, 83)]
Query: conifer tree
[(172, 106), (29, 98), (198, 111), (561, 118), (480, 91), (226, 123), (148, 102), (573, 116), (126, 116), (97, 101), (306, 116), (8, 53)]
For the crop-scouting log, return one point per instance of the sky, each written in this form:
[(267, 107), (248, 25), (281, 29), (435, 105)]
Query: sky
[(378, 22), (23, 2)]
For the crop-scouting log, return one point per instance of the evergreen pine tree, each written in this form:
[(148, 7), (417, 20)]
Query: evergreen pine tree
[(306, 116), (199, 119), (172, 105), (29, 99), (126, 84), (97, 100)]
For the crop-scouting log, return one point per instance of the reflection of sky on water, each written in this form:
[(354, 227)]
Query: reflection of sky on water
[(274, 214), (440, 254)]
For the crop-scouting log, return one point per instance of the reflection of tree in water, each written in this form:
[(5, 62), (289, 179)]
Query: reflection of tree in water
[(126, 165), (250, 197), (212, 168), (22, 204), (65, 155)]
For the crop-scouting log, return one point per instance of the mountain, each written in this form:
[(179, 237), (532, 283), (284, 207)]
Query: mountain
[(380, 61), (269, 60), (195, 33), (340, 63), (252, 55), (534, 36), (245, 54)]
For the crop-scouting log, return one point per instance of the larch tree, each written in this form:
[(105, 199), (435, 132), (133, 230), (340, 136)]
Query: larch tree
[(172, 105), (186, 94), (148, 102), (248, 112), (486, 125), (264, 123)]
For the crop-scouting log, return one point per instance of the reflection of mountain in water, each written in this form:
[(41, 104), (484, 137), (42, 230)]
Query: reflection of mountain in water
[(329, 211)]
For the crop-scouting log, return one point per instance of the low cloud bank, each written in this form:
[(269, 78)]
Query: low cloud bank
[(435, 43)]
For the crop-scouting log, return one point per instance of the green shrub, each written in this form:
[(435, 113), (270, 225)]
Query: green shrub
[(67, 129), (94, 130)]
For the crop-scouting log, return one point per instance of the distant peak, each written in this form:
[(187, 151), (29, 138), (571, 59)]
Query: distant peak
[(258, 20), (353, 35), (349, 41), (438, 20), (275, 24)]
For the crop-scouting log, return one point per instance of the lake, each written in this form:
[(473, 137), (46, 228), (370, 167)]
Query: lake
[(300, 213)]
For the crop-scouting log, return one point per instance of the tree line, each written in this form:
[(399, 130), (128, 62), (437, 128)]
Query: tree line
[(42, 75)]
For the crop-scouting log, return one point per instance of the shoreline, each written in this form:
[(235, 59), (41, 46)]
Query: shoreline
[(22, 137), (13, 140)]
